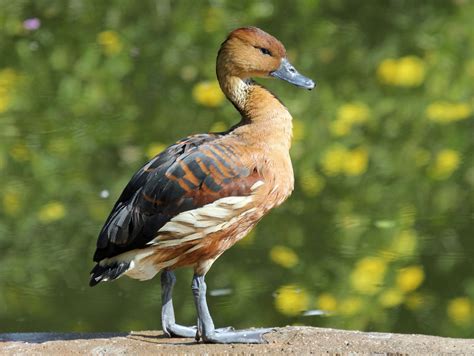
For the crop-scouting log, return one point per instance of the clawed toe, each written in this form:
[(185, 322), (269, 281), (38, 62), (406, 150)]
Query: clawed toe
[(226, 329), (175, 330), (248, 336)]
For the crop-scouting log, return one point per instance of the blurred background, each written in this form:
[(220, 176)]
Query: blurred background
[(378, 234)]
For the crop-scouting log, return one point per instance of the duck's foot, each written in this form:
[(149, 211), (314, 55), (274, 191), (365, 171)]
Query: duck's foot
[(206, 330), (176, 330), (170, 328), (247, 336)]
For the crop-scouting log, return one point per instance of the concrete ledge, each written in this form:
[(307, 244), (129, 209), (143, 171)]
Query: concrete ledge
[(296, 340)]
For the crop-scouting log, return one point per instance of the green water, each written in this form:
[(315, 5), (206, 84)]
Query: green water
[(378, 233)]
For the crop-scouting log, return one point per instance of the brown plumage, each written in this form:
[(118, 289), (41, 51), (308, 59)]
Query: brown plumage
[(201, 195)]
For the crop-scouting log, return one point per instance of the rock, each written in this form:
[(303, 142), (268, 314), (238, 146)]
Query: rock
[(298, 340)]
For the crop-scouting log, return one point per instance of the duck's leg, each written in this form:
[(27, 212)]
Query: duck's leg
[(170, 328), (206, 329)]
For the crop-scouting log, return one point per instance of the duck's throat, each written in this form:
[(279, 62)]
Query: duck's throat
[(237, 90), (260, 109)]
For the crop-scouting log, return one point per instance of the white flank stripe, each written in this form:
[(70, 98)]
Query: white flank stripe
[(241, 204), (256, 185), (226, 224), (233, 200), (187, 217), (215, 212), (275, 188), (195, 224), (169, 263), (201, 224), (196, 247), (214, 228), (138, 268), (177, 227)]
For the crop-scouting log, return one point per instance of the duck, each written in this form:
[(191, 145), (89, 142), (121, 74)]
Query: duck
[(201, 195)]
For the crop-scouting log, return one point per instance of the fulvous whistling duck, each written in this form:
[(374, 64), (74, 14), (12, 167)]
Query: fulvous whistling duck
[(201, 195)]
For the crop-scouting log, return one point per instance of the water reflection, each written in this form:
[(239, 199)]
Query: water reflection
[(378, 233)]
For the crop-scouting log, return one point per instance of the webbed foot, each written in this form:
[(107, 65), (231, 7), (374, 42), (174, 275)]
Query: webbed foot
[(247, 336)]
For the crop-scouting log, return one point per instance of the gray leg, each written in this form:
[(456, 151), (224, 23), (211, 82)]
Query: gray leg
[(170, 328), (206, 329)]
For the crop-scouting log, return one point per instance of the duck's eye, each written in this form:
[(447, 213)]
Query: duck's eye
[(265, 51)]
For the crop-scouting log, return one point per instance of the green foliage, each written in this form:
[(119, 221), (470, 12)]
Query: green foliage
[(378, 233)]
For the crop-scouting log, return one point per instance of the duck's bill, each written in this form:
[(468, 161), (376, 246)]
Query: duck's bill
[(288, 73)]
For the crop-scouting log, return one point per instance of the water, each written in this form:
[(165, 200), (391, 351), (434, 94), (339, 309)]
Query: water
[(378, 233)]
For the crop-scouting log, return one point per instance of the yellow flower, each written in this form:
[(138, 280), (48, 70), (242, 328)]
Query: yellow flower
[(348, 115), (338, 160), (460, 310), (340, 128), (284, 256), (155, 148), (355, 162), (353, 113), (391, 298), (410, 278), (406, 71), (404, 243), (446, 162), (327, 302), (445, 112), (11, 203), (333, 160), (311, 183), (52, 211), (218, 126), (411, 71), (368, 275), (350, 306), (110, 42), (291, 300), (387, 71), (208, 94)]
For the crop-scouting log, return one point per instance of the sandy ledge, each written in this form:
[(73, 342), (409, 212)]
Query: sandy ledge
[(293, 340)]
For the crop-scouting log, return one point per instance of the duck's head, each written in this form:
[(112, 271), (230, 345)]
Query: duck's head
[(250, 52)]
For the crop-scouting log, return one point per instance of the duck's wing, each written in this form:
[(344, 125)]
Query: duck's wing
[(186, 176)]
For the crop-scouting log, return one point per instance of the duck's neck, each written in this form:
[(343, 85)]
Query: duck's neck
[(265, 120)]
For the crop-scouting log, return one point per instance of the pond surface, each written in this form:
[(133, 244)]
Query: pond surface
[(378, 232)]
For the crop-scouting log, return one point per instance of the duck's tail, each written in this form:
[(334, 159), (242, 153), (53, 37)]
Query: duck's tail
[(108, 272)]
